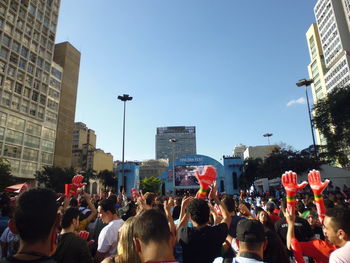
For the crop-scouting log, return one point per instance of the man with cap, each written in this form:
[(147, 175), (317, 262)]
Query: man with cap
[(251, 241)]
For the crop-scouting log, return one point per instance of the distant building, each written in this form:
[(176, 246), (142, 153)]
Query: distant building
[(152, 168), (183, 143), (85, 156), (259, 151), (238, 151)]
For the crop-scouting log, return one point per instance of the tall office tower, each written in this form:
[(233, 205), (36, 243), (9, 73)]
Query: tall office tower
[(30, 84), (335, 40), (174, 142), (69, 59), (317, 70), (329, 48)]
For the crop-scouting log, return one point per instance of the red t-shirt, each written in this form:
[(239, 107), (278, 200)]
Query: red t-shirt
[(318, 249), (274, 218)]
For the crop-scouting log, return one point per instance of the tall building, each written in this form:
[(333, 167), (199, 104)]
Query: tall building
[(329, 48), (85, 156), (69, 59), (174, 142), (261, 152), (30, 84), (238, 151)]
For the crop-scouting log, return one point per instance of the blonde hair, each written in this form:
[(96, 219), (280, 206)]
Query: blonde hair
[(126, 245)]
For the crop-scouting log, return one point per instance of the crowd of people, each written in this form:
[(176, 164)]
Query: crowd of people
[(309, 224)]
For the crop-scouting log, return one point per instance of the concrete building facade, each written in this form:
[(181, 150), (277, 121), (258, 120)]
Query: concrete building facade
[(85, 155), (184, 143), (69, 59), (152, 168), (30, 84), (259, 151)]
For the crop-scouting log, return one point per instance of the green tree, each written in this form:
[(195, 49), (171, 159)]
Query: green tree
[(55, 177), (151, 184), (273, 166), (332, 119), (6, 178), (108, 178)]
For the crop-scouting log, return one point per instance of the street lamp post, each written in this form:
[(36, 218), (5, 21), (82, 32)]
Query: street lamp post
[(173, 141), (124, 99), (268, 135), (306, 83)]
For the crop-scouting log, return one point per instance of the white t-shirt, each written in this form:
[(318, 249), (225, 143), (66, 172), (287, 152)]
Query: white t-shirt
[(341, 255), (108, 238)]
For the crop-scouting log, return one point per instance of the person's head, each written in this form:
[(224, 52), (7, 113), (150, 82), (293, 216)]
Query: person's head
[(230, 203), (151, 230), (311, 217), (150, 198), (263, 217), (35, 218), (336, 225), (270, 206), (70, 217), (83, 203), (73, 202), (126, 248), (251, 236), (107, 210), (199, 211)]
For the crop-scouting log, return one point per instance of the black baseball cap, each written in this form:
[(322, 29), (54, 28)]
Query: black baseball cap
[(250, 231)]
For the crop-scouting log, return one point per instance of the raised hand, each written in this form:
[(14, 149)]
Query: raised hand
[(314, 178), (289, 182), (205, 179), (318, 187)]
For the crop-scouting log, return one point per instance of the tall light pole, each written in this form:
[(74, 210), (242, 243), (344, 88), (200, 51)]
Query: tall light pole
[(124, 99), (268, 135), (306, 83), (173, 141)]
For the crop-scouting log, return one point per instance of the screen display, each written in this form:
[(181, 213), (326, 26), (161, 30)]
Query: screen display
[(185, 175)]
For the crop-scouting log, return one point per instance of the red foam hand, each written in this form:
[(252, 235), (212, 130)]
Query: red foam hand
[(134, 193), (205, 179), (314, 178), (289, 182), (83, 234), (70, 189)]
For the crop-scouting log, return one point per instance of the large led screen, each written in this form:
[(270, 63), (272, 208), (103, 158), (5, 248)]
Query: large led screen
[(185, 175)]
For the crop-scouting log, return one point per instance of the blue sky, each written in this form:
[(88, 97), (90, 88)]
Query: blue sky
[(228, 67)]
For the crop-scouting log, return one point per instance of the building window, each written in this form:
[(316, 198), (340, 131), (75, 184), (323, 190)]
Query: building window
[(46, 158), (16, 102), (2, 134), (8, 84), (15, 123), (35, 96), (54, 94), (12, 151), (3, 118), (32, 142), (28, 168), (6, 97), (41, 112), (14, 165), (49, 134), (51, 117), (32, 109), (14, 137), (31, 155), (24, 52), (4, 53), (18, 88), (33, 129), (47, 146), (24, 106), (6, 40), (52, 105)]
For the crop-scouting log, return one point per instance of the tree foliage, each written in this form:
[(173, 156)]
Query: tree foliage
[(6, 178), (55, 177), (332, 118), (151, 184), (108, 178), (279, 161)]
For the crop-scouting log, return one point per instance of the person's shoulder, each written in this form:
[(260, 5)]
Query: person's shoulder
[(42, 260)]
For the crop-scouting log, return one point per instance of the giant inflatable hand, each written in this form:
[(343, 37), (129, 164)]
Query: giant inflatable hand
[(205, 180), (75, 186), (314, 178), (289, 182)]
